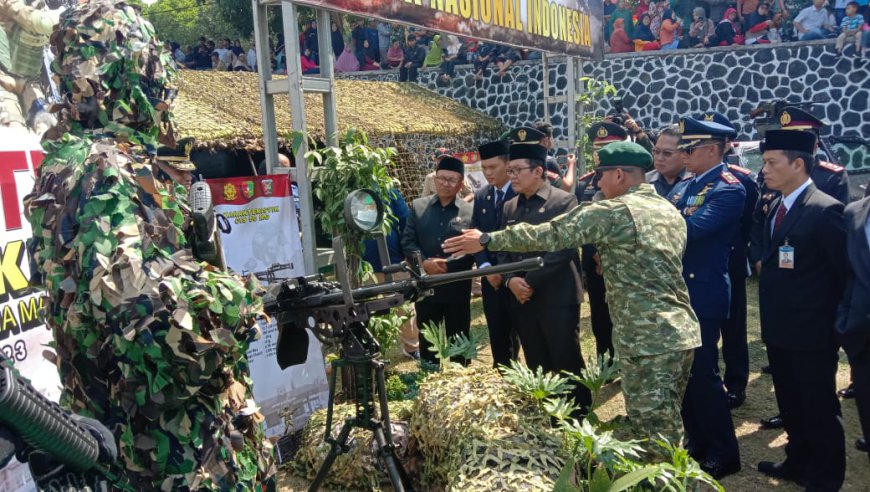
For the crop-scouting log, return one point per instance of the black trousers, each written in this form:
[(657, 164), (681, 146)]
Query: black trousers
[(860, 365), (550, 337), (503, 339), (735, 348), (602, 326), (456, 317), (805, 386), (706, 413), (408, 74)]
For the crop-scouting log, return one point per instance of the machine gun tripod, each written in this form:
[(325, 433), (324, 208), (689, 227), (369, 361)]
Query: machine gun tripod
[(333, 311)]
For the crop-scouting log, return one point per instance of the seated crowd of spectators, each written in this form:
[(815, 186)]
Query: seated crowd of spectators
[(648, 25), (673, 24)]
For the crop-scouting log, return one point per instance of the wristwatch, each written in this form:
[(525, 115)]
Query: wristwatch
[(484, 239)]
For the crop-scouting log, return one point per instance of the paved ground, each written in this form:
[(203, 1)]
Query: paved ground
[(755, 444)]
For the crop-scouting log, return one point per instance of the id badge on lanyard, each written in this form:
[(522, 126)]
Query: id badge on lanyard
[(786, 256)]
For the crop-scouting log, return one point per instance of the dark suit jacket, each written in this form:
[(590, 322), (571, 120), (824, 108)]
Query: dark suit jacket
[(557, 283), (853, 322), (485, 218), (429, 224), (799, 305)]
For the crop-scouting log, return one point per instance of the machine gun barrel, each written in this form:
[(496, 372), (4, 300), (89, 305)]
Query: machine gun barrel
[(428, 281)]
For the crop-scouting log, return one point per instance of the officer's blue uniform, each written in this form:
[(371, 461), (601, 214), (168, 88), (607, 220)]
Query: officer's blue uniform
[(735, 347), (486, 217), (712, 206)]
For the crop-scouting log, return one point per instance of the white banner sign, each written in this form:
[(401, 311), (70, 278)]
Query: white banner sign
[(263, 234)]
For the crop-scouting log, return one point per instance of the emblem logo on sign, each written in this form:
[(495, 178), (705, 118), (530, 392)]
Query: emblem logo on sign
[(267, 187), (785, 118), (230, 192), (248, 189), (521, 135)]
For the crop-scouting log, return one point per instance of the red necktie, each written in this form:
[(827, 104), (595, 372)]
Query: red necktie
[(780, 216)]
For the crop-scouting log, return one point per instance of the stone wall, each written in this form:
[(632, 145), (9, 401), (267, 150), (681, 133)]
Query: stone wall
[(658, 87)]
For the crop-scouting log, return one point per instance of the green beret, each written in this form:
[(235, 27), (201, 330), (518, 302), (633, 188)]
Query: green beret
[(624, 153)]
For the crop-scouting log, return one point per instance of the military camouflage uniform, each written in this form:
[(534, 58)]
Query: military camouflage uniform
[(640, 240), (23, 36), (148, 341)]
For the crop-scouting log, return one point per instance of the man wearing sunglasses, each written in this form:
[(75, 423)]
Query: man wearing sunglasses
[(735, 346), (640, 238), (711, 202), (600, 134)]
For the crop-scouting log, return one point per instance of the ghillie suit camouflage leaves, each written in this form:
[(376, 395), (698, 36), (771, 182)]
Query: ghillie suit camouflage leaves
[(148, 340)]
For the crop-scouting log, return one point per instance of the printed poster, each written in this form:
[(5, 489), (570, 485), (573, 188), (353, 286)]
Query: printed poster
[(261, 233), (473, 172)]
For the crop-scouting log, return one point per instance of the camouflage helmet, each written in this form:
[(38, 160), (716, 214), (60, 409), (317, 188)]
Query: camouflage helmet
[(113, 74)]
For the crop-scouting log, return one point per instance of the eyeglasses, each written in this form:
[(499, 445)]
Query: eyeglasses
[(448, 181), (691, 150), (515, 171), (667, 154)]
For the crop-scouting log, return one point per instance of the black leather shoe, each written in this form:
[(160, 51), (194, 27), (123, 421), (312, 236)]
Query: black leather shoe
[(847, 393), (777, 470), (766, 369), (774, 422), (861, 445), (736, 398), (720, 470)]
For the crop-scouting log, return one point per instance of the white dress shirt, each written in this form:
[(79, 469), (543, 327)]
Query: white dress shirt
[(788, 201)]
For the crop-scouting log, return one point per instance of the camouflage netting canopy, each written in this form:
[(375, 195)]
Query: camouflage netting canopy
[(469, 430), (222, 110)]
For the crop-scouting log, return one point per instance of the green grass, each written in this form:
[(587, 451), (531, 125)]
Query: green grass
[(755, 444)]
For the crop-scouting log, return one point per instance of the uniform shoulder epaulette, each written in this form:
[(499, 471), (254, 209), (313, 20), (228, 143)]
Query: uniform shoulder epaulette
[(729, 178), (739, 169), (586, 176), (830, 166)]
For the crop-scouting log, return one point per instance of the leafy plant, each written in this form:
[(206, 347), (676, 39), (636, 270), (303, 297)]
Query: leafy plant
[(403, 386), (385, 328), (396, 388), (596, 375), (538, 385), (593, 92), (457, 346), (351, 166), (683, 472)]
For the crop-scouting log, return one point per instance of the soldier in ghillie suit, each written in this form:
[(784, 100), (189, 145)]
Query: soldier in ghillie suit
[(149, 341)]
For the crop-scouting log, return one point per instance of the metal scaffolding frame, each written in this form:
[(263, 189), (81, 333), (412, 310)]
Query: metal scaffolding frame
[(295, 86), (572, 69)]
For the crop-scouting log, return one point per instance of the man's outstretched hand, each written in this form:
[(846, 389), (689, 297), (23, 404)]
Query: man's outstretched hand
[(468, 243)]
